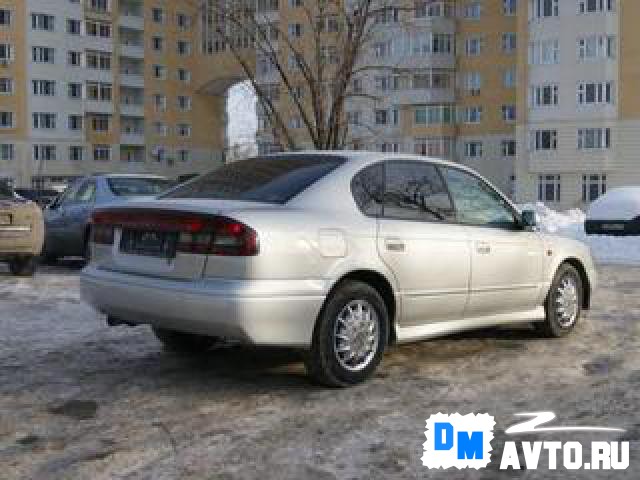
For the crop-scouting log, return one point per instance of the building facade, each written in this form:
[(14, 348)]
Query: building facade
[(537, 95), (102, 86)]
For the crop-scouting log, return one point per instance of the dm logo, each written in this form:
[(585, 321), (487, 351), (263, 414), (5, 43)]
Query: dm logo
[(461, 441)]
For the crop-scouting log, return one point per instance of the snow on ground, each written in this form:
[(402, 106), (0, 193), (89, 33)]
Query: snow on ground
[(605, 249)]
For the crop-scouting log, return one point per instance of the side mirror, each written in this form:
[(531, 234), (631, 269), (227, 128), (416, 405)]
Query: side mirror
[(529, 220)]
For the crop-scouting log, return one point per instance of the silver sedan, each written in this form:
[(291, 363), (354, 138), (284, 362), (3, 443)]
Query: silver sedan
[(339, 254)]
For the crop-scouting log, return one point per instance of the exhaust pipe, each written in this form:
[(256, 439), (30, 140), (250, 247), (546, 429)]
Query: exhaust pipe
[(116, 322)]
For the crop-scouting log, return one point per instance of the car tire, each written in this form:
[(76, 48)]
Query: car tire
[(23, 266), (563, 305), (181, 342), (353, 319)]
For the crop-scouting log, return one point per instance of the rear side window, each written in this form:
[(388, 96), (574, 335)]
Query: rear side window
[(261, 179), (367, 188), (416, 191)]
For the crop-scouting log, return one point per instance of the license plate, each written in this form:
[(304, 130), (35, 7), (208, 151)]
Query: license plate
[(5, 219), (150, 244), (613, 226)]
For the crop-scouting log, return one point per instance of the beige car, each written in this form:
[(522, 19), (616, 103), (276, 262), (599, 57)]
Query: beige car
[(21, 232)]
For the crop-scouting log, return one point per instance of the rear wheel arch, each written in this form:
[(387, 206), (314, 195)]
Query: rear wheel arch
[(586, 285), (381, 284)]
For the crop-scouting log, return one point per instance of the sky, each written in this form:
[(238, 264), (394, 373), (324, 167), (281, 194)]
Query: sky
[(241, 108)]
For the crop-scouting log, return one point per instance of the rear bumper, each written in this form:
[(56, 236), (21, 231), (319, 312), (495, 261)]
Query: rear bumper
[(20, 240), (262, 312)]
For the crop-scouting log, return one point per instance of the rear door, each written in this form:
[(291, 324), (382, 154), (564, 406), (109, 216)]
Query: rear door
[(506, 260), (418, 239), (77, 214)]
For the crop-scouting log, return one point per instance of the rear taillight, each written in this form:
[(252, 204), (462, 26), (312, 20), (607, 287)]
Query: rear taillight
[(195, 233)]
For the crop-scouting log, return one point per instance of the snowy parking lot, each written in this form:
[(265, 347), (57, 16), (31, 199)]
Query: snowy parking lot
[(81, 400)]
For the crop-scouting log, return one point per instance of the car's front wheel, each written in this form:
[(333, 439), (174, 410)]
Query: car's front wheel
[(350, 336), (563, 306), (182, 342), (23, 266)]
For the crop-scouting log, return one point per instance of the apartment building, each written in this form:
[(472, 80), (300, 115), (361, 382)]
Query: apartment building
[(102, 86)]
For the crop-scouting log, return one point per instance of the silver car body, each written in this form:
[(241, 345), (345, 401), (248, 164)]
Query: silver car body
[(67, 218), (437, 278)]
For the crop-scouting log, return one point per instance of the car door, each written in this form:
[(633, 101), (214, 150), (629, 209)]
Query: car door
[(421, 244), (506, 259), (56, 219), (78, 212)]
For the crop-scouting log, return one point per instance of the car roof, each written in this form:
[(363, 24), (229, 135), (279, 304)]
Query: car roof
[(368, 157), (127, 175)]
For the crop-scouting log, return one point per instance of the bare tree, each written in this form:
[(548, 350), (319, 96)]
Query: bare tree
[(313, 63)]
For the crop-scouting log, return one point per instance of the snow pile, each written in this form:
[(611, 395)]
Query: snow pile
[(604, 248)]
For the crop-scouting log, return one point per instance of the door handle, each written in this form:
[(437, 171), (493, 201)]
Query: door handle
[(483, 248), (394, 244)]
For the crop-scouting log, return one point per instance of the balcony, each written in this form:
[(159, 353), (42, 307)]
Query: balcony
[(132, 109), (135, 80), (418, 96), (95, 106), (132, 20), (132, 51), (132, 137)]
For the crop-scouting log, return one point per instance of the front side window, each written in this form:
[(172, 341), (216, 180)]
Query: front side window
[(270, 180), (416, 191), (476, 202)]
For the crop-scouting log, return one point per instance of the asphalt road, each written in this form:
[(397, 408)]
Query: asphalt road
[(81, 400)]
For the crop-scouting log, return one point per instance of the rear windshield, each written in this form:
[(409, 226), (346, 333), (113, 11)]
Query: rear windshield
[(261, 179), (138, 186)]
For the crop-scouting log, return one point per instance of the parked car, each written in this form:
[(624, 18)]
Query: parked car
[(615, 213), (42, 197), (21, 232), (339, 254), (67, 218)]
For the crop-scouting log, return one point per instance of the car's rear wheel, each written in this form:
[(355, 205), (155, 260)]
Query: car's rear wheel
[(350, 336), (182, 342), (563, 305), (23, 266)]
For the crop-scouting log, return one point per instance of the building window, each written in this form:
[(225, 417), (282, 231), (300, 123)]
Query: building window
[(44, 152), (99, 60), (596, 6), (41, 21), (157, 14), (101, 153), (593, 186), (5, 17), (6, 86), (471, 114), (184, 47), (100, 6), (6, 53), (597, 46), (44, 88), (509, 42), (473, 83), (183, 21), (75, 90), (184, 130), (160, 102), (74, 59), (75, 122), (7, 151), (388, 147), (539, 9), (595, 93), (159, 153), (98, 29), (6, 119), (472, 10), (184, 75), (473, 46), (102, 92), (509, 78), (509, 113), (160, 129), (508, 148), (184, 103), (549, 188), (510, 7), (76, 153), (544, 52), (435, 115), (295, 30), (544, 140), (101, 123), (543, 95), (594, 138), (439, 147), (157, 43), (43, 55), (387, 15), (160, 72), (73, 26), (473, 149), (44, 121)]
